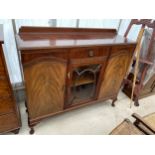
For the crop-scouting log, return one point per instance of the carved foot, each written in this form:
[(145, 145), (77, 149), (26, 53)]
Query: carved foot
[(32, 131), (16, 131), (113, 102)]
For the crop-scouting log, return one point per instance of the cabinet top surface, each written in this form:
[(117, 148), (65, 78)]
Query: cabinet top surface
[(31, 38), (1, 34)]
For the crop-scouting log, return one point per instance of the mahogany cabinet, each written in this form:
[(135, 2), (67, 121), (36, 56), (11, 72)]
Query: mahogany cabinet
[(66, 68), (9, 113)]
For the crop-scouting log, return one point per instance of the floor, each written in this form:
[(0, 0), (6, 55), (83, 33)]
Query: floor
[(97, 119)]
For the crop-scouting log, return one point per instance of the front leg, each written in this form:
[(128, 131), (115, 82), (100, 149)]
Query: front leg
[(113, 102), (16, 131), (26, 107), (31, 130), (31, 126)]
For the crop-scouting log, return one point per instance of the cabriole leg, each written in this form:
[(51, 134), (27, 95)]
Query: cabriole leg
[(113, 102), (31, 131), (16, 131)]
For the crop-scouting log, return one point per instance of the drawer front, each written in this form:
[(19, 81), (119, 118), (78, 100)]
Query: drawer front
[(31, 55), (87, 61), (120, 49), (4, 86), (2, 68), (8, 122), (6, 106), (88, 52)]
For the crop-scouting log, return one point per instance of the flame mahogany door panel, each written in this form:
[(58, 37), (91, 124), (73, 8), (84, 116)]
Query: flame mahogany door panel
[(116, 70), (45, 86)]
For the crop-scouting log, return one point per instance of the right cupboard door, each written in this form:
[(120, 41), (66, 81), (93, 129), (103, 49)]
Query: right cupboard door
[(115, 72)]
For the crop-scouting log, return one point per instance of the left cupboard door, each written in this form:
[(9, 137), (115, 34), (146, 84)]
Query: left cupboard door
[(45, 80)]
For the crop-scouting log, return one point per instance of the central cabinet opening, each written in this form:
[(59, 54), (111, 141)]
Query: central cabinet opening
[(84, 82), (84, 78)]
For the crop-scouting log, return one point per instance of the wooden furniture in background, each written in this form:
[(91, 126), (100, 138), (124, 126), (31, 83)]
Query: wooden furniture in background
[(66, 68), (141, 90), (141, 126), (9, 113)]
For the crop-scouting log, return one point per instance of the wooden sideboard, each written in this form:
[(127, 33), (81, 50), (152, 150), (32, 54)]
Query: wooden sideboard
[(9, 113), (66, 68)]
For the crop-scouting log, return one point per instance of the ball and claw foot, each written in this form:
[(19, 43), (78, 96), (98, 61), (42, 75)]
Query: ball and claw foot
[(31, 131), (113, 102)]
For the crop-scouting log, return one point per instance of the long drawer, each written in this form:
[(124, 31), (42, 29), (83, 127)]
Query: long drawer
[(4, 86), (6, 106), (8, 122), (89, 52)]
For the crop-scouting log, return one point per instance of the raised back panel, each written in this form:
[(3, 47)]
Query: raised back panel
[(45, 86), (32, 29)]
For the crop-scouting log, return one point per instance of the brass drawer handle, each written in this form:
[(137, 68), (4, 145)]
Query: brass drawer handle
[(91, 53)]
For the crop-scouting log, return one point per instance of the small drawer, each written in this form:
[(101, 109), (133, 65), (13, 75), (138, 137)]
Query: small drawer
[(87, 61), (6, 106), (121, 49), (31, 55), (88, 52), (8, 122)]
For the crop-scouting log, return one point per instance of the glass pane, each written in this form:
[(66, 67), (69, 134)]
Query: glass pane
[(84, 82)]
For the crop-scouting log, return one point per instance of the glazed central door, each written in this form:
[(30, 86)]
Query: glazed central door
[(85, 76), (45, 86)]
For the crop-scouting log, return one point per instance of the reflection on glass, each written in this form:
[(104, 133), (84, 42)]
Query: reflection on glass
[(84, 81)]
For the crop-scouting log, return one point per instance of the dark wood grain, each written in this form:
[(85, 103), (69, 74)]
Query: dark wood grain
[(45, 86), (116, 70), (49, 56), (9, 112), (8, 123), (32, 38)]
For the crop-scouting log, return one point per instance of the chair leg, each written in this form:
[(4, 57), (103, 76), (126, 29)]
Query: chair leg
[(136, 102)]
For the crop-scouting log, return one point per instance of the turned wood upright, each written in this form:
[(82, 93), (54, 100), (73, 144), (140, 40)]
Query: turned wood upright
[(141, 90), (66, 68)]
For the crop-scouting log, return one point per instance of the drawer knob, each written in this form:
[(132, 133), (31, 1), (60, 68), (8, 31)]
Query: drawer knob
[(91, 53)]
